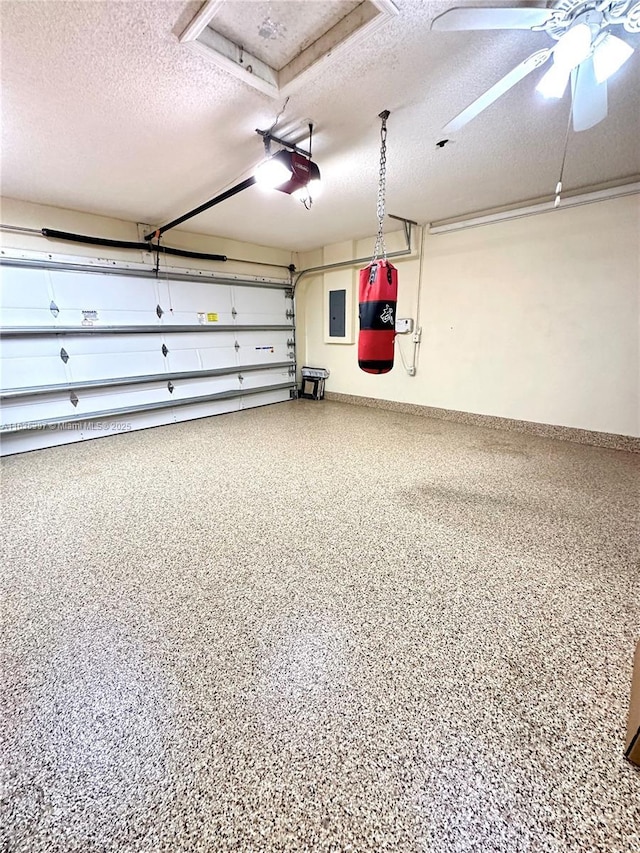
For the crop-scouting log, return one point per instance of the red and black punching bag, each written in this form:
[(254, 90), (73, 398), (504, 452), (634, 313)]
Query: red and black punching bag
[(377, 296)]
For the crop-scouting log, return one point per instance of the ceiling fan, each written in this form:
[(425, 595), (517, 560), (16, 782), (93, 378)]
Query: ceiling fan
[(585, 51)]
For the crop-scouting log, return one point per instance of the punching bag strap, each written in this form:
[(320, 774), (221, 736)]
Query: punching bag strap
[(380, 246)]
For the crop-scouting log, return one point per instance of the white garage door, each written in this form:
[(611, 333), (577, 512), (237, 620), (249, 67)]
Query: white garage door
[(87, 353)]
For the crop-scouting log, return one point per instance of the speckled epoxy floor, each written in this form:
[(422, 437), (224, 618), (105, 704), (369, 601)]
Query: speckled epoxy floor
[(319, 627)]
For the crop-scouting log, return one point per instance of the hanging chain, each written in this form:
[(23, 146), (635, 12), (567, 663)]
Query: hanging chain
[(564, 157), (382, 187)]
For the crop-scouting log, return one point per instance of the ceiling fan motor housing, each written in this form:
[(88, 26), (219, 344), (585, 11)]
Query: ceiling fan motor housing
[(570, 11), (586, 53)]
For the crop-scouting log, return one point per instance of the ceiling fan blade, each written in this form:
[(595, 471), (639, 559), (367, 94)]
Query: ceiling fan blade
[(492, 19), (589, 97), (518, 73)]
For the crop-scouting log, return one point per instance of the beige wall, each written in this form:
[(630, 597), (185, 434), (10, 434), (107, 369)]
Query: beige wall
[(29, 215), (535, 319)]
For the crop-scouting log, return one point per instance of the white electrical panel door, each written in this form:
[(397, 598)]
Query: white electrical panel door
[(85, 353)]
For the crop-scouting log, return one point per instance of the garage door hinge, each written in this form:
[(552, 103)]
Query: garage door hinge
[(236, 346), (291, 342), (234, 313), (74, 399), (54, 308), (159, 311), (288, 294), (170, 386), (64, 355), (165, 351), (290, 315), (292, 370), (240, 378)]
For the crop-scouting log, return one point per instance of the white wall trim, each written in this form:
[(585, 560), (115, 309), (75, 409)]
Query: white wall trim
[(533, 209)]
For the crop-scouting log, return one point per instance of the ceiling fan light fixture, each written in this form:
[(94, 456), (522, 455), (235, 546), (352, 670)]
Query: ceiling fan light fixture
[(580, 30), (275, 171), (609, 56), (573, 47), (554, 82)]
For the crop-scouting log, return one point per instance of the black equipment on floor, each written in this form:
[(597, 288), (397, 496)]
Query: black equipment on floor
[(312, 385)]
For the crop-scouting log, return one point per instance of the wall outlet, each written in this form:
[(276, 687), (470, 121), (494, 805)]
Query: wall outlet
[(404, 326)]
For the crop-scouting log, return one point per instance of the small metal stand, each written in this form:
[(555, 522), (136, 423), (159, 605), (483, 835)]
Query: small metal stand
[(313, 379)]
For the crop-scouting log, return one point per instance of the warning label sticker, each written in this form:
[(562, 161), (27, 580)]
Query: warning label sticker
[(89, 317), (212, 318)]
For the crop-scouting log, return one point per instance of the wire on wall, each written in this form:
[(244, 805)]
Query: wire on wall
[(416, 336)]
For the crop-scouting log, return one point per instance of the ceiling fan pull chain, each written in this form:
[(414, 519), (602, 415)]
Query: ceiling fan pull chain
[(564, 157), (382, 186)]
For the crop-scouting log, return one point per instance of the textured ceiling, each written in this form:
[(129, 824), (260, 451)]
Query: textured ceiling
[(277, 31), (104, 111)]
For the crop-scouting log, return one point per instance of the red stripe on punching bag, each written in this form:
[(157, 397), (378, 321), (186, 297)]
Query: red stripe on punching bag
[(378, 293)]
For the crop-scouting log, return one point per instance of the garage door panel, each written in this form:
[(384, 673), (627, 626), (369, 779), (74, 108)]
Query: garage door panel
[(266, 398), (25, 297), (216, 350), (27, 410), (258, 378), (200, 350), (28, 371), (31, 361), (129, 422), (260, 306), (201, 387), (92, 400), (264, 346), (215, 357), (89, 401), (181, 361), (199, 340), (101, 370), (194, 303), (21, 442), (207, 409), (113, 356), (117, 300), (190, 318)]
